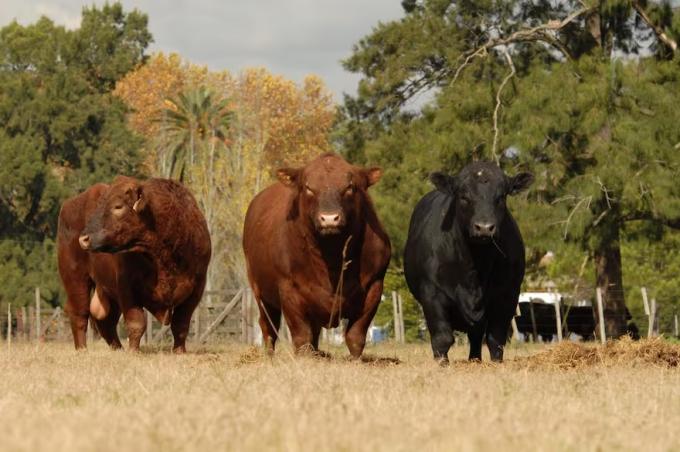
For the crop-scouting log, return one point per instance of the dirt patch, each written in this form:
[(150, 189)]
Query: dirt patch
[(622, 352)]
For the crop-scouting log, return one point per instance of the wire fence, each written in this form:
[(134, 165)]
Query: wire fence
[(232, 315)]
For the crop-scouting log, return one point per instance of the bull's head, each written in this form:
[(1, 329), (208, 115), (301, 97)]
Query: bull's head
[(329, 191), (479, 192), (120, 221)]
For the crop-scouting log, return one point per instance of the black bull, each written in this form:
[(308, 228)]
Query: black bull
[(464, 258)]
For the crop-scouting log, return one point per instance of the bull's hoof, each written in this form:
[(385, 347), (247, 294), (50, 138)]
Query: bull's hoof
[(443, 362), (179, 350), (310, 351)]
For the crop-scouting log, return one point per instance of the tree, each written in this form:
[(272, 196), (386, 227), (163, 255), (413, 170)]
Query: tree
[(60, 131), (239, 128), (551, 87)]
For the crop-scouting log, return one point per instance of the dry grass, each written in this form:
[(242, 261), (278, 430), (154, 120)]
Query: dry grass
[(625, 397)]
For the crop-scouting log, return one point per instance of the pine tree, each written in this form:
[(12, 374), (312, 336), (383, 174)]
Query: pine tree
[(60, 131), (571, 91)]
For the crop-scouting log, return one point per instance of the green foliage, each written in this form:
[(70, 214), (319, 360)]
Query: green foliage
[(597, 127), (413, 314), (60, 131)]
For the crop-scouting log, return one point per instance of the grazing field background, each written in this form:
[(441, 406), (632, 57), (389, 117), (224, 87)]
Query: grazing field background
[(230, 397)]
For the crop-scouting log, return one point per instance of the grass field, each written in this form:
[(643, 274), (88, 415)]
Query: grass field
[(231, 398)]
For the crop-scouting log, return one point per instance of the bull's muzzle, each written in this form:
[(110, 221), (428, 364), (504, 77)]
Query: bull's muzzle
[(484, 229)]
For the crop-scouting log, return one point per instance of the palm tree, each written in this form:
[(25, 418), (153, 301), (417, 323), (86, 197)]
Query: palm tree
[(195, 122)]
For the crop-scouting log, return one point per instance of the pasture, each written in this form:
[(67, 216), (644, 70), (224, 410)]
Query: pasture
[(230, 397)]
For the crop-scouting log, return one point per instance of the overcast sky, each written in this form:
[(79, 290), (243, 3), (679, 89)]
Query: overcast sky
[(289, 37)]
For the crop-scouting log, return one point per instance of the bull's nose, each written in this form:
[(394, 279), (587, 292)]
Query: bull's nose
[(330, 220), (485, 229), (84, 241)]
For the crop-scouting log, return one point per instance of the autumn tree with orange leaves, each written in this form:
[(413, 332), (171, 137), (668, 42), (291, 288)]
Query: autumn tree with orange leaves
[(272, 122)]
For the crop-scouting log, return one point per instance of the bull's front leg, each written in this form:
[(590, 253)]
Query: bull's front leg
[(355, 335), (292, 305)]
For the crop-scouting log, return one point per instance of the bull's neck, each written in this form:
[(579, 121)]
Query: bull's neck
[(330, 248), (482, 253)]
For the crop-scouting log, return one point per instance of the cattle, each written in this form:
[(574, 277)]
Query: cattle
[(316, 251), (464, 258), (128, 246)]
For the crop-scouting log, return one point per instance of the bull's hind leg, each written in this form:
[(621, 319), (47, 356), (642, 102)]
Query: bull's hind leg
[(475, 336), (270, 322), (496, 336), (78, 308)]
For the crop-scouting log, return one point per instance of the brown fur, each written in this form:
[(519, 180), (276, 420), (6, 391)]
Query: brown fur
[(152, 250), (293, 268)]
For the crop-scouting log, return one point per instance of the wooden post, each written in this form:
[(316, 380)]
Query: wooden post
[(513, 323), (244, 316), (197, 323), (675, 325), (90, 329), (223, 315), (37, 313), (285, 331), (9, 326), (652, 318), (251, 316), (402, 332), (60, 326), (25, 321), (558, 320), (148, 334), (31, 322), (645, 302), (600, 315), (533, 320), (395, 310)]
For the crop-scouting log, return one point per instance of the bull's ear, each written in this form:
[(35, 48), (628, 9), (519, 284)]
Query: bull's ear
[(140, 203), (373, 175), (289, 177), (443, 182), (519, 182)]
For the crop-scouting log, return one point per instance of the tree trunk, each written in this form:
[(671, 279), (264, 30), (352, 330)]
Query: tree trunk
[(610, 281)]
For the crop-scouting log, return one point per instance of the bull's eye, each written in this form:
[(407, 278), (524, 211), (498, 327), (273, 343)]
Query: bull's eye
[(464, 200), (118, 209), (309, 191), (349, 191)]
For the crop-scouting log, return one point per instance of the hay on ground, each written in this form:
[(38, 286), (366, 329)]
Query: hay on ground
[(622, 352)]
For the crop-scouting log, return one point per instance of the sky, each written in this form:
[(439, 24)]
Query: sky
[(289, 37)]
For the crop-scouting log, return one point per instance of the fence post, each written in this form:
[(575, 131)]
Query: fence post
[(25, 321), (558, 320), (244, 316), (149, 328), (197, 322), (652, 318), (90, 328), (9, 326), (402, 332), (533, 320), (675, 324), (513, 323), (395, 312), (600, 315), (37, 313)]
